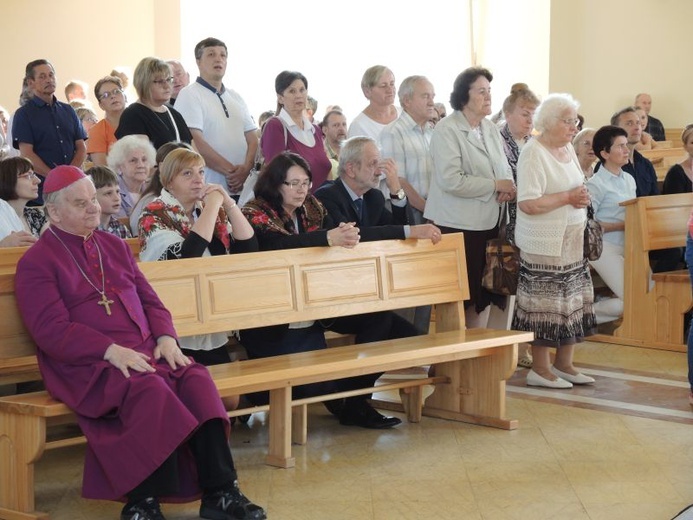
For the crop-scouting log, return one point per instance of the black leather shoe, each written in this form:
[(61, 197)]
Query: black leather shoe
[(365, 416), (230, 505), (147, 509), (334, 406)]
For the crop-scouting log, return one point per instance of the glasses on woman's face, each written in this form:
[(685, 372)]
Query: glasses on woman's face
[(570, 121), (105, 95), (294, 185), (28, 175), (162, 82)]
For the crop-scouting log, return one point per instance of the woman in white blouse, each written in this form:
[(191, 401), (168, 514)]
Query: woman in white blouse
[(554, 293), (608, 187), (19, 225)]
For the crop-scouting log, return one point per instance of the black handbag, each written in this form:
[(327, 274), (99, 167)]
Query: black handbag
[(594, 236), (502, 267)]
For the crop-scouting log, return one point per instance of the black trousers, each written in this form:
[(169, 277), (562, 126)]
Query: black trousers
[(369, 327), (215, 468)]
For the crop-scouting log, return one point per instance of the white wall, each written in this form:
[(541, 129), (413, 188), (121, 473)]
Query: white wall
[(607, 51), (331, 43)]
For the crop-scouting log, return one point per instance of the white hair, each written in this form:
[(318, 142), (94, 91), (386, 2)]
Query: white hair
[(551, 109)]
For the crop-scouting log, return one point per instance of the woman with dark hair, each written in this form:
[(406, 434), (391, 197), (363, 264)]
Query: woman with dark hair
[(153, 188), (19, 225), (292, 131), (608, 187), (284, 214), (471, 181), (150, 116), (109, 91)]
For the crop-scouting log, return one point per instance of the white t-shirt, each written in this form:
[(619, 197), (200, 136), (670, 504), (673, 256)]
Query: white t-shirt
[(224, 130), (9, 220)]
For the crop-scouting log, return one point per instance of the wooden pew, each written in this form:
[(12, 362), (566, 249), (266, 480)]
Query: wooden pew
[(469, 367), (657, 155), (673, 135), (653, 316)]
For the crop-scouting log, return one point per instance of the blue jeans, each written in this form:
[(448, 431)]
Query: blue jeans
[(689, 262)]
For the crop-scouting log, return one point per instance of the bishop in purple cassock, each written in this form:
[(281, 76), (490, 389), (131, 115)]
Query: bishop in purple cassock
[(155, 425)]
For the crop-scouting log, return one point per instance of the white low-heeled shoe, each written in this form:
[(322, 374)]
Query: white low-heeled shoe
[(578, 379), (534, 379)]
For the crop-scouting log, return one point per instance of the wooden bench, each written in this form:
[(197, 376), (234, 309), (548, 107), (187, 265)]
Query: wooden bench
[(673, 135), (468, 367), (9, 256), (653, 316)]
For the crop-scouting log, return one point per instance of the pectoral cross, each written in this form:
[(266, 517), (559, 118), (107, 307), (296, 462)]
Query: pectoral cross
[(106, 303)]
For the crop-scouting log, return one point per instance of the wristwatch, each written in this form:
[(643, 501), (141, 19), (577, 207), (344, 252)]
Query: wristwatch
[(398, 195)]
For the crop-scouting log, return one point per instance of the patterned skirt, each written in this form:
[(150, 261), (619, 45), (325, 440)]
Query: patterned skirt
[(555, 296)]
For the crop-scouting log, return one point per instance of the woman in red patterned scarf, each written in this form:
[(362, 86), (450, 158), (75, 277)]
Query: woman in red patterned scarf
[(192, 219), (285, 215)]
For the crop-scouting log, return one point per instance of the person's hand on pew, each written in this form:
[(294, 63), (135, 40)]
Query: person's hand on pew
[(425, 231), (18, 239), (345, 235)]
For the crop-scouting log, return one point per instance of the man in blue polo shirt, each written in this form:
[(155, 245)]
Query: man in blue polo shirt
[(45, 130), (219, 120)]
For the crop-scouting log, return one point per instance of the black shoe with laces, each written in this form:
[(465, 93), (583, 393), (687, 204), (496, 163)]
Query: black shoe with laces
[(147, 509), (230, 505), (364, 415)]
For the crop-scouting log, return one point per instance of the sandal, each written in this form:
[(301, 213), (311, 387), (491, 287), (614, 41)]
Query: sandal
[(525, 362)]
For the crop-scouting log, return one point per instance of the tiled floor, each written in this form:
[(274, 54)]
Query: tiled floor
[(576, 455)]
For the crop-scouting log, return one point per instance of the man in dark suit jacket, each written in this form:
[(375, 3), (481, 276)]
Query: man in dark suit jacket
[(354, 196), (359, 175)]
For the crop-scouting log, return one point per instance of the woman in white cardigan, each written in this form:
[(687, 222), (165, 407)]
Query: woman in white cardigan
[(471, 180), (554, 293)]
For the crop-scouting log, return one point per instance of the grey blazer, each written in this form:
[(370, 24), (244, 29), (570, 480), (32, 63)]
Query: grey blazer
[(462, 194)]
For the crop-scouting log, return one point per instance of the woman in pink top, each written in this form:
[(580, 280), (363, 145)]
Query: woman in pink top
[(290, 130)]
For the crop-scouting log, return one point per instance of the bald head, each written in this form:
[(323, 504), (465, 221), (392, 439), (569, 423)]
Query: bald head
[(644, 101)]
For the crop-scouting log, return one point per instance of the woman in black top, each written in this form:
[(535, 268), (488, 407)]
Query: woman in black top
[(150, 116)]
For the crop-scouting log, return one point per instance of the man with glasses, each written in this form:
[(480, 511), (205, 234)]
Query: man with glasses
[(109, 92), (221, 124), (181, 79), (638, 166), (47, 131)]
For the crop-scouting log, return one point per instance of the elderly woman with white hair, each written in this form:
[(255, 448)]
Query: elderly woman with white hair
[(132, 158), (554, 294), (582, 143)]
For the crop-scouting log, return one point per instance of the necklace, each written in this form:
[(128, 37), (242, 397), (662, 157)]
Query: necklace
[(105, 302)]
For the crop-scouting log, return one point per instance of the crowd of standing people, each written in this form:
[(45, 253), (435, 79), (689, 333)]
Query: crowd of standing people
[(174, 167)]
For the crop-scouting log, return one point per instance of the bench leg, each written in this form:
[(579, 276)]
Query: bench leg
[(280, 429), (299, 424), (22, 440), (412, 401), (476, 392)]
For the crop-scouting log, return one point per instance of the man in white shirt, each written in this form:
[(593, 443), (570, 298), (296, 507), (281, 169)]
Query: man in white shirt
[(407, 140), (222, 127)]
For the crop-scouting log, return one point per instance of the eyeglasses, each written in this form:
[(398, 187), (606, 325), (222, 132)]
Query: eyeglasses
[(294, 185), (570, 121), (106, 95), (168, 80), (28, 175)]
